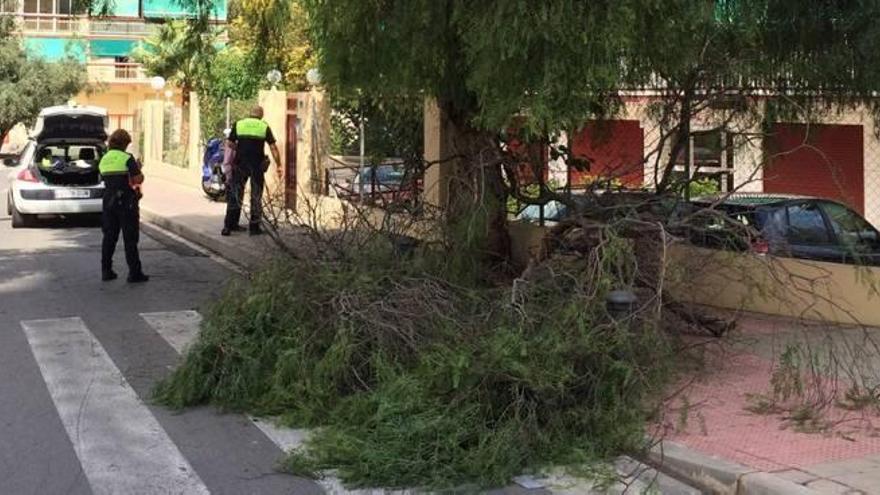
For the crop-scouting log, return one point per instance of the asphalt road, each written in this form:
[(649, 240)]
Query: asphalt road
[(78, 358)]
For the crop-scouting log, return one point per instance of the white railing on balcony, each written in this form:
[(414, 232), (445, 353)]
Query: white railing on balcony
[(50, 23), (109, 72), (83, 25), (116, 27)]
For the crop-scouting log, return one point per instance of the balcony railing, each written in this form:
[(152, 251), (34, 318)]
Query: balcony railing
[(50, 23), (109, 72), (117, 27)]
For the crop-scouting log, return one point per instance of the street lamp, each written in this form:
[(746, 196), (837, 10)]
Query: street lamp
[(313, 76), (274, 77), (157, 83)]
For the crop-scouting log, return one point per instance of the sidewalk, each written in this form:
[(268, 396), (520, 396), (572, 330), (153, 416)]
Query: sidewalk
[(187, 212), (719, 415)]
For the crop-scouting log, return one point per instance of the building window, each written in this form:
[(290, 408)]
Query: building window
[(711, 159), (124, 68), (9, 6), (61, 7)]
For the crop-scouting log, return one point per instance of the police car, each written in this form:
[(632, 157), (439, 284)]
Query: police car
[(57, 171)]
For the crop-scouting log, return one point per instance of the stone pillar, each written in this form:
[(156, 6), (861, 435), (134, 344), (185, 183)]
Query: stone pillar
[(274, 105), (153, 129), (194, 153), (440, 168), (313, 138)]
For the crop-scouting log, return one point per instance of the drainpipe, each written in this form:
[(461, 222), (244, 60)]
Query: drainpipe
[(362, 165)]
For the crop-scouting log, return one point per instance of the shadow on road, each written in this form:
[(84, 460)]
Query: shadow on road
[(66, 222)]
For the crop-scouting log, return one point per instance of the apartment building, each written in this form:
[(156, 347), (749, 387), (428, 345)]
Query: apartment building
[(53, 29)]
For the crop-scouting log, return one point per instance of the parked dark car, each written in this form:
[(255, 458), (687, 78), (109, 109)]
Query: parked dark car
[(387, 182), (789, 226)]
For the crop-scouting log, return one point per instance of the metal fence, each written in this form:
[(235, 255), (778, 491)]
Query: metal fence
[(387, 184), (839, 161)]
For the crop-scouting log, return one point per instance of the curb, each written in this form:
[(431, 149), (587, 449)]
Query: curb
[(233, 254), (716, 475)]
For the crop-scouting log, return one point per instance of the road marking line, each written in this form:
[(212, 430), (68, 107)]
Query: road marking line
[(229, 265), (121, 446), (180, 329), (285, 438)]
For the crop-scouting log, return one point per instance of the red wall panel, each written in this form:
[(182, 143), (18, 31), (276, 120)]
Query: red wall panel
[(613, 148), (816, 160), (528, 155)]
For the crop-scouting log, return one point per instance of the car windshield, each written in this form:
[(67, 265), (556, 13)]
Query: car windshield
[(77, 154), (553, 211), (384, 175), (806, 226), (850, 228)]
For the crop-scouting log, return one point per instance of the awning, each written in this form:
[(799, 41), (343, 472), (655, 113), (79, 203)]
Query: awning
[(160, 9), (53, 49), (111, 48)]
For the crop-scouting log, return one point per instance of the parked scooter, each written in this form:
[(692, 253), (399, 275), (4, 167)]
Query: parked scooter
[(213, 177)]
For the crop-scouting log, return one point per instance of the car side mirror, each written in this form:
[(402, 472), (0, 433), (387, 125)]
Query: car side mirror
[(10, 162)]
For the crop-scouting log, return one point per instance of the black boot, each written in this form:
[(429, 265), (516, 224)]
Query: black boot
[(137, 278), (108, 275)]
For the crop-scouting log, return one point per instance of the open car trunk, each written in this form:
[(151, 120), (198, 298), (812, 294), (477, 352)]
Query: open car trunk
[(74, 124), (70, 143), (69, 164)]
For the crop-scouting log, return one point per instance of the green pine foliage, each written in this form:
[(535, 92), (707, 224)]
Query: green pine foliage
[(416, 373), (563, 62)]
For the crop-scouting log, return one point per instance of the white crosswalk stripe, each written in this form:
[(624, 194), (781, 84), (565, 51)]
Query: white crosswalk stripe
[(119, 443), (180, 328)]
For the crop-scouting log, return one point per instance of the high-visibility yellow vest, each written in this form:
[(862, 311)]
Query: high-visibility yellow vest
[(251, 128), (114, 162)]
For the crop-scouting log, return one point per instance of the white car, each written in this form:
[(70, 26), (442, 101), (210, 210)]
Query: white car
[(57, 171)]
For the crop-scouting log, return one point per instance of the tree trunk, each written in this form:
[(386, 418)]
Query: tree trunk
[(478, 186)]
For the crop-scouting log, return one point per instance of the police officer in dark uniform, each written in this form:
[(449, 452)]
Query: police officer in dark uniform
[(122, 179), (248, 139)]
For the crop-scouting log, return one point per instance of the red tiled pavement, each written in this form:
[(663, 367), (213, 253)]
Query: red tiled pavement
[(718, 423)]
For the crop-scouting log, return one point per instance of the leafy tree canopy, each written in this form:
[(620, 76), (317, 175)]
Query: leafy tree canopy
[(567, 60), (229, 75), (178, 51), (28, 83), (275, 34)]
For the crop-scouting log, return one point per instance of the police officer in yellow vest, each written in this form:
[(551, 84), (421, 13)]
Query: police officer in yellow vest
[(248, 140), (122, 178)]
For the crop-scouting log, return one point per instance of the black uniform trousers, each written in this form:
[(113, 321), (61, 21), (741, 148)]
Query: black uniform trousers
[(121, 213), (241, 173)]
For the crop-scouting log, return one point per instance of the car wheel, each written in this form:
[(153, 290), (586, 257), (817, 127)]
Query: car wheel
[(19, 219)]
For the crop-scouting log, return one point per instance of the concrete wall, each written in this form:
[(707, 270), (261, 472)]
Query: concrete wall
[(829, 292), (813, 290), (152, 126)]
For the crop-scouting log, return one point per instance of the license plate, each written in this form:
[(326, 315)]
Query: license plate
[(72, 193)]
